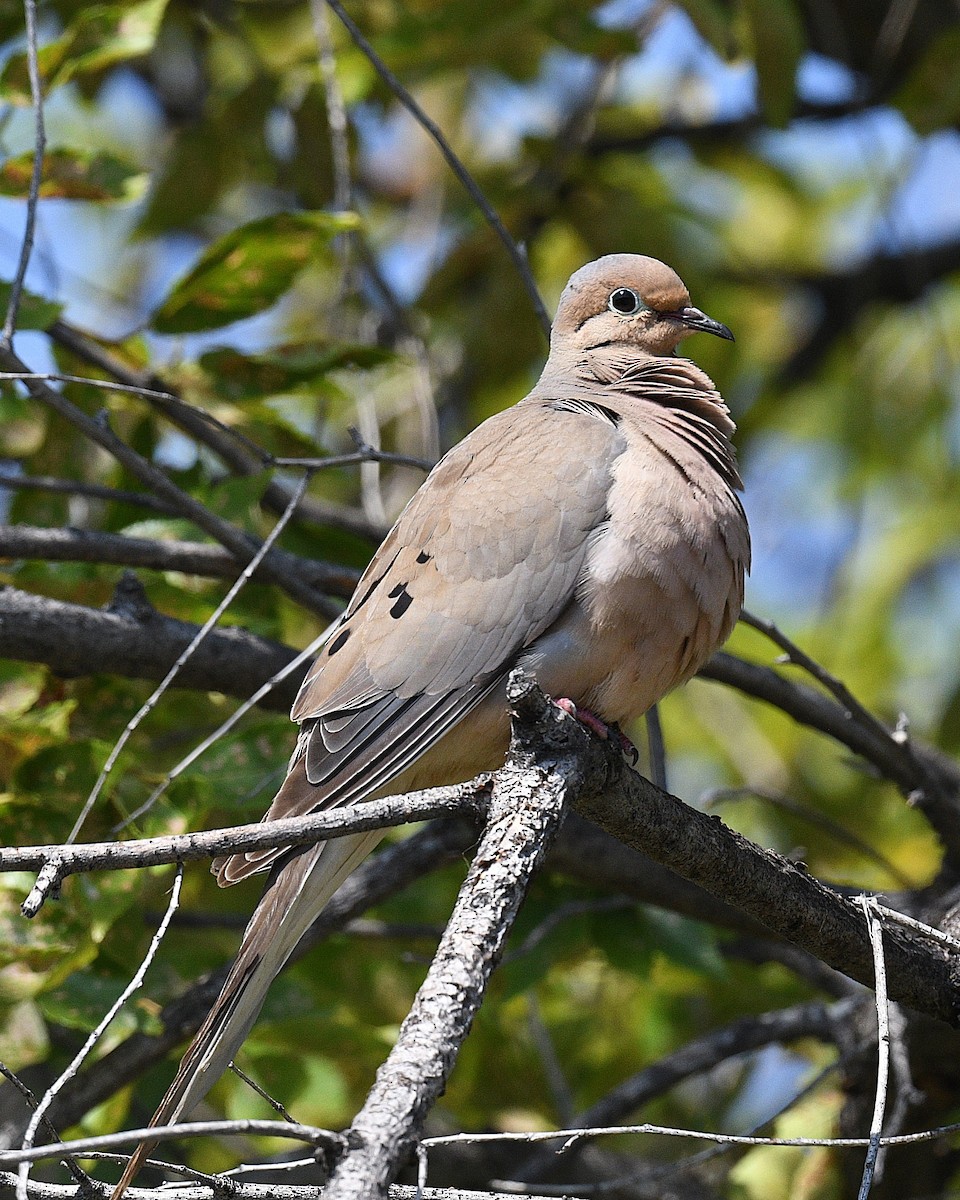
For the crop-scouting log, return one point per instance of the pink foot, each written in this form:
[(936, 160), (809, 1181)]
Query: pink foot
[(592, 722)]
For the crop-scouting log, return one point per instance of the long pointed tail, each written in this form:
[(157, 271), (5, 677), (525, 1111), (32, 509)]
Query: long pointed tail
[(294, 897)]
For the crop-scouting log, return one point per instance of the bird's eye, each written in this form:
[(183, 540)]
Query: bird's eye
[(625, 302)]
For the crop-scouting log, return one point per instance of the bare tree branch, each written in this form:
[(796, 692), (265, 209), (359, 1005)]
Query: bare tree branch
[(279, 566), (526, 808), (36, 174), (76, 487), (116, 549), (132, 639), (374, 880), (259, 1191), (517, 257), (778, 893), (463, 799)]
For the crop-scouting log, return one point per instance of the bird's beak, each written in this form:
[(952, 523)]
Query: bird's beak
[(698, 322)]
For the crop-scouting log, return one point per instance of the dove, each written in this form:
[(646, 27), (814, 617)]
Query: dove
[(591, 535)]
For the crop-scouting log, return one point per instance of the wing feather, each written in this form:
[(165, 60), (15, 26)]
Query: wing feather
[(485, 557)]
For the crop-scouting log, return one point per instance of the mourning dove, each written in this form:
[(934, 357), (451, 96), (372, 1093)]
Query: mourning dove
[(591, 535)]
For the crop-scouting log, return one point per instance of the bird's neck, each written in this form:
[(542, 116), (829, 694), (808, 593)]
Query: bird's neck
[(624, 373)]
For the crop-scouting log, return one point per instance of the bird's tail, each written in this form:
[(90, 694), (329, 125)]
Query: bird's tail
[(296, 893)]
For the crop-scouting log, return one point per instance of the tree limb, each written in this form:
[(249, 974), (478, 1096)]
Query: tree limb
[(78, 858), (117, 549), (526, 808), (702, 1054), (374, 880), (133, 640)]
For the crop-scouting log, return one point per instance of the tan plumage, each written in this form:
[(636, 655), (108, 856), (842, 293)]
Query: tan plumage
[(591, 534)]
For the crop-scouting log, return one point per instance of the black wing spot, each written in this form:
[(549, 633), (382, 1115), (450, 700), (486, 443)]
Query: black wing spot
[(424, 557), (403, 600), (338, 642)]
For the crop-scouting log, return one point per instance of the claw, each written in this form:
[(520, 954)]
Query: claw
[(598, 726)]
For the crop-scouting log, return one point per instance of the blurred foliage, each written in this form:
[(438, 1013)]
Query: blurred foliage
[(795, 170)]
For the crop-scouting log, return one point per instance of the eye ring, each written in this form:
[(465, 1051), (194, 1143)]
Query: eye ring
[(624, 302)]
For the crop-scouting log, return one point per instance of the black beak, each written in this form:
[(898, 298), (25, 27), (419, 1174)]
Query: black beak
[(698, 322)]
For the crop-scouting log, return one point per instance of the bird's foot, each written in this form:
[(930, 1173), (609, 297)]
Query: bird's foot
[(598, 726)]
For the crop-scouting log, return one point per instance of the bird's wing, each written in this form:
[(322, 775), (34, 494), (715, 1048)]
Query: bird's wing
[(484, 558)]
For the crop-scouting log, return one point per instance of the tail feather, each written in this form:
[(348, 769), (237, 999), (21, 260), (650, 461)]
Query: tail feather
[(295, 894)]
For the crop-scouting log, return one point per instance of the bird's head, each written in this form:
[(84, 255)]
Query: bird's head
[(629, 300)]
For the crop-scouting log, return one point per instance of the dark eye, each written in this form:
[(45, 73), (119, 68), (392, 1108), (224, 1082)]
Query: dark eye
[(624, 301)]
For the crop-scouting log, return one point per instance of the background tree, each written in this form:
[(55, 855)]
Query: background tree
[(249, 239)]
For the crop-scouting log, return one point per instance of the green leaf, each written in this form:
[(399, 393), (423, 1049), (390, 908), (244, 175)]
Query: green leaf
[(34, 313), (687, 943), (253, 376), (100, 36), (248, 270), (74, 175)]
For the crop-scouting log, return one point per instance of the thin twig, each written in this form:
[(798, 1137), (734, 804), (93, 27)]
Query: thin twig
[(811, 1020), (238, 453), (875, 930), (224, 728), (23, 1173), (836, 687), (571, 1136), (33, 193), (368, 454), (560, 1090), (105, 385), (905, 1093), (927, 931), (262, 1093), (517, 256), (926, 776), (279, 566), (93, 491), (151, 702), (337, 126), (565, 912), (459, 799), (79, 1174), (169, 1133)]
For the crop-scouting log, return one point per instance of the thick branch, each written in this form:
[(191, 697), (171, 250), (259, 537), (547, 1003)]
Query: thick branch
[(526, 808), (238, 1190), (116, 549), (776, 892), (136, 641)]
